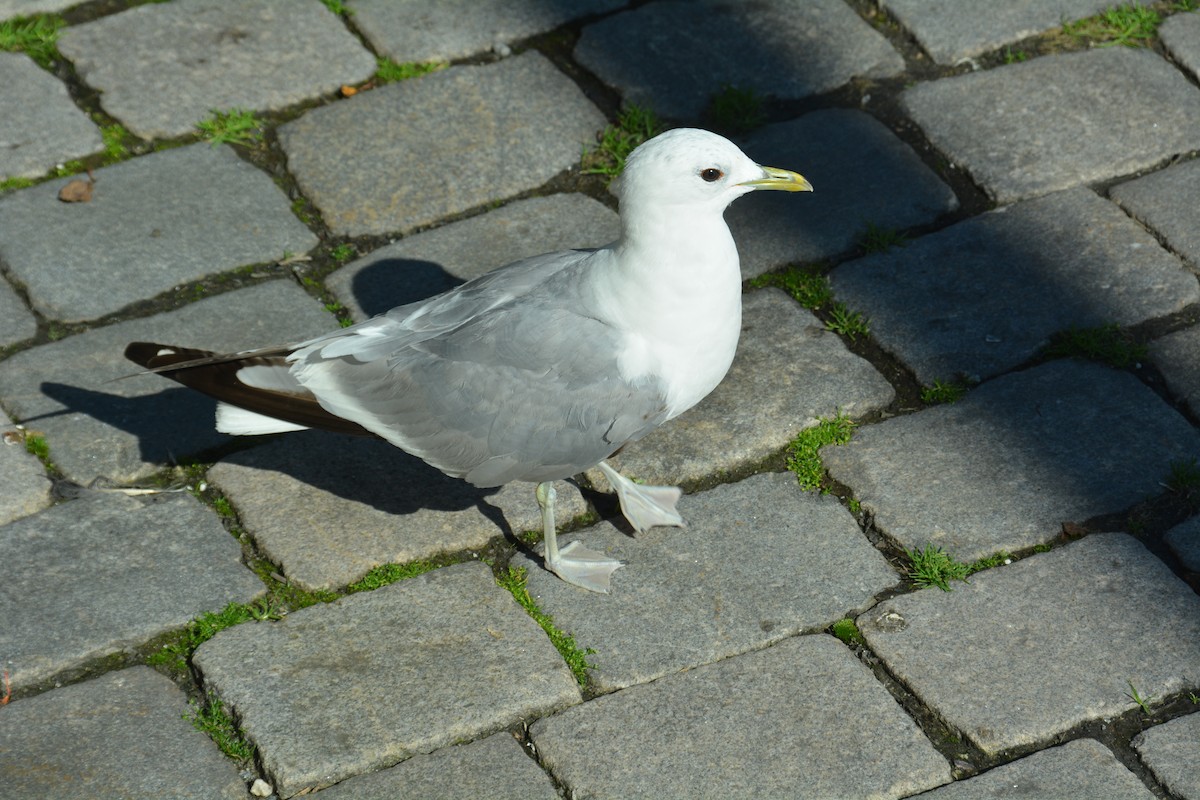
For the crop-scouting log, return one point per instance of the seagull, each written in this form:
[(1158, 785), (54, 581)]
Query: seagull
[(538, 370)]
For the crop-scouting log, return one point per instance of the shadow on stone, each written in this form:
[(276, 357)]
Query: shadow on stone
[(392, 282)]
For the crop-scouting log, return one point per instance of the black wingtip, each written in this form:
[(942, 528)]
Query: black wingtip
[(149, 355)]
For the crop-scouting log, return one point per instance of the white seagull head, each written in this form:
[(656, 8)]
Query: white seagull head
[(692, 167)]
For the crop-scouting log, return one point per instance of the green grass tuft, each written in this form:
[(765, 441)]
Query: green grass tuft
[(213, 720), (850, 324), (36, 37), (848, 632), (342, 253), (1135, 696), (1184, 476), (736, 111), (804, 456), (876, 239), (389, 71), (1107, 344), (514, 581), (386, 574), (942, 392), (1128, 25), (175, 653), (933, 566), (634, 126), (810, 289), (115, 142), (338, 7), (235, 126)]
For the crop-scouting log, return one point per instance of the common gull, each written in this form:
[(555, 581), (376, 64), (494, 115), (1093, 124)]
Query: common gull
[(540, 369)]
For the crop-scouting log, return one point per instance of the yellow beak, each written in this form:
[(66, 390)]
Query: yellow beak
[(781, 179)]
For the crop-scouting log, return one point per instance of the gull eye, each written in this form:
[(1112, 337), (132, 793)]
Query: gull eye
[(711, 174)]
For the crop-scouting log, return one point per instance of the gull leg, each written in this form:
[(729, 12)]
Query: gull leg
[(645, 506), (575, 564)]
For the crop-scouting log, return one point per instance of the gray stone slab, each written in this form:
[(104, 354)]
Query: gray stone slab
[(162, 68), (1014, 677), (1168, 202), (431, 262), (153, 223), (412, 30), (26, 8), (672, 56), (121, 735), (1171, 751), (41, 126), (96, 425), (1177, 356), (105, 574), (794, 720), (1050, 123), (16, 321), (26, 487), (788, 372), (1184, 541), (1083, 768), (949, 35), (1181, 36), (494, 768), (863, 176), (336, 690), (408, 154), (1004, 467), (985, 295), (760, 561), (329, 508)]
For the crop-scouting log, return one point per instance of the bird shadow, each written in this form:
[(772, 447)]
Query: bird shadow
[(175, 425), (390, 282)]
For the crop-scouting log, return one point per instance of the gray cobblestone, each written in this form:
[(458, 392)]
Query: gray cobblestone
[(41, 127), (1177, 355), (1048, 124), (1083, 768), (671, 56), (1181, 36), (1003, 468), (984, 296), (760, 561), (1169, 750), (686, 735), (105, 575), (153, 223), (16, 321), (26, 487), (161, 68), (120, 735), (1168, 202), (380, 161), (1013, 678), (951, 37), (863, 176), (460, 28), (403, 670)]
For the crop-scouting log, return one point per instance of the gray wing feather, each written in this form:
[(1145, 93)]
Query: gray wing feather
[(506, 378)]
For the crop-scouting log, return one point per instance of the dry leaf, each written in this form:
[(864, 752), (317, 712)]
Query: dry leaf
[(349, 91), (78, 190)]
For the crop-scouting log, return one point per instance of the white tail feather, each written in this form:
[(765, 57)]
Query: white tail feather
[(240, 422)]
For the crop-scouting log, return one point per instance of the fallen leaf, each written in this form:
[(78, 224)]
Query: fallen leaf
[(349, 91), (78, 190)]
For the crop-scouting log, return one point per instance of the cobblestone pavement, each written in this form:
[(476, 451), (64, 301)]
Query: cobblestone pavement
[(1013, 208)]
